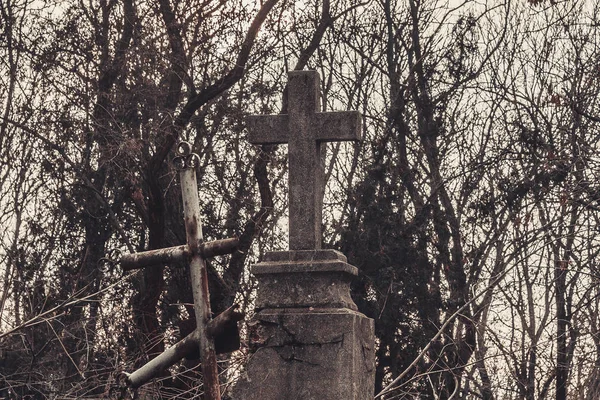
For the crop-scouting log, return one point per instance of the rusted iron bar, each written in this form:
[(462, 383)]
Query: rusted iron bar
[(218, 247), (163, 361), (176, 254), (154, 257), (184, 348), (199, 278)]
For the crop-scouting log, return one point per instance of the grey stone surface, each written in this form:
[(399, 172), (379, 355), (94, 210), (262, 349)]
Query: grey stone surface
[(304, 255), (322, 354), (310, 278), (305, 129), (307, 340), (303, 261)]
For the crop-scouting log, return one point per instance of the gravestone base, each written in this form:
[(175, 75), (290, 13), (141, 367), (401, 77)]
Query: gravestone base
[(307, 340)]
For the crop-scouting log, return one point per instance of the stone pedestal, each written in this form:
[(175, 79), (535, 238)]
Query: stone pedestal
[(307, 339)]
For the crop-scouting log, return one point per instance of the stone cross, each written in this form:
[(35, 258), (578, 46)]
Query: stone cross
[(195, 252), (304, 128)]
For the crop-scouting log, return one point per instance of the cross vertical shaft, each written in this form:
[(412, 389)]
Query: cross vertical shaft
[(306, 167), (199, 278)]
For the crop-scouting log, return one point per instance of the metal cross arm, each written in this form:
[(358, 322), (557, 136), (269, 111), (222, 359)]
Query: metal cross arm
[(304, 128), (177, 254), (218, 328)]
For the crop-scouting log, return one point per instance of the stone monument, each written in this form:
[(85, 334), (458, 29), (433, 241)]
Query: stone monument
[(307, 339)]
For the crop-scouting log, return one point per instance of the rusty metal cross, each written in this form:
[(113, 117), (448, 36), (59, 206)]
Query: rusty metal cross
[(195, 252)]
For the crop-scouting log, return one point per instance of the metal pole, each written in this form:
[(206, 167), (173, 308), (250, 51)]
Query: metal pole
[(199, 278), (154, 257), (186, 346), (176, 254), (160, 363)]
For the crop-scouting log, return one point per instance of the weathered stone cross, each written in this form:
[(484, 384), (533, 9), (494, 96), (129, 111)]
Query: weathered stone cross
[(305, 129), (195, 252)]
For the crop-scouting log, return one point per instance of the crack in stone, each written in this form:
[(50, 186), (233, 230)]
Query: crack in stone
[(295, 341), (294, 358)]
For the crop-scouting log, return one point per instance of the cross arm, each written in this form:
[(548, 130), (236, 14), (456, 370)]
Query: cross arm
[(338, 126), (177, 254), (267, 129), (155, 257), (220, 327), (163, 361)]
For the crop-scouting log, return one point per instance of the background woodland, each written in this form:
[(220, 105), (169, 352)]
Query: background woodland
[(472, 207)]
